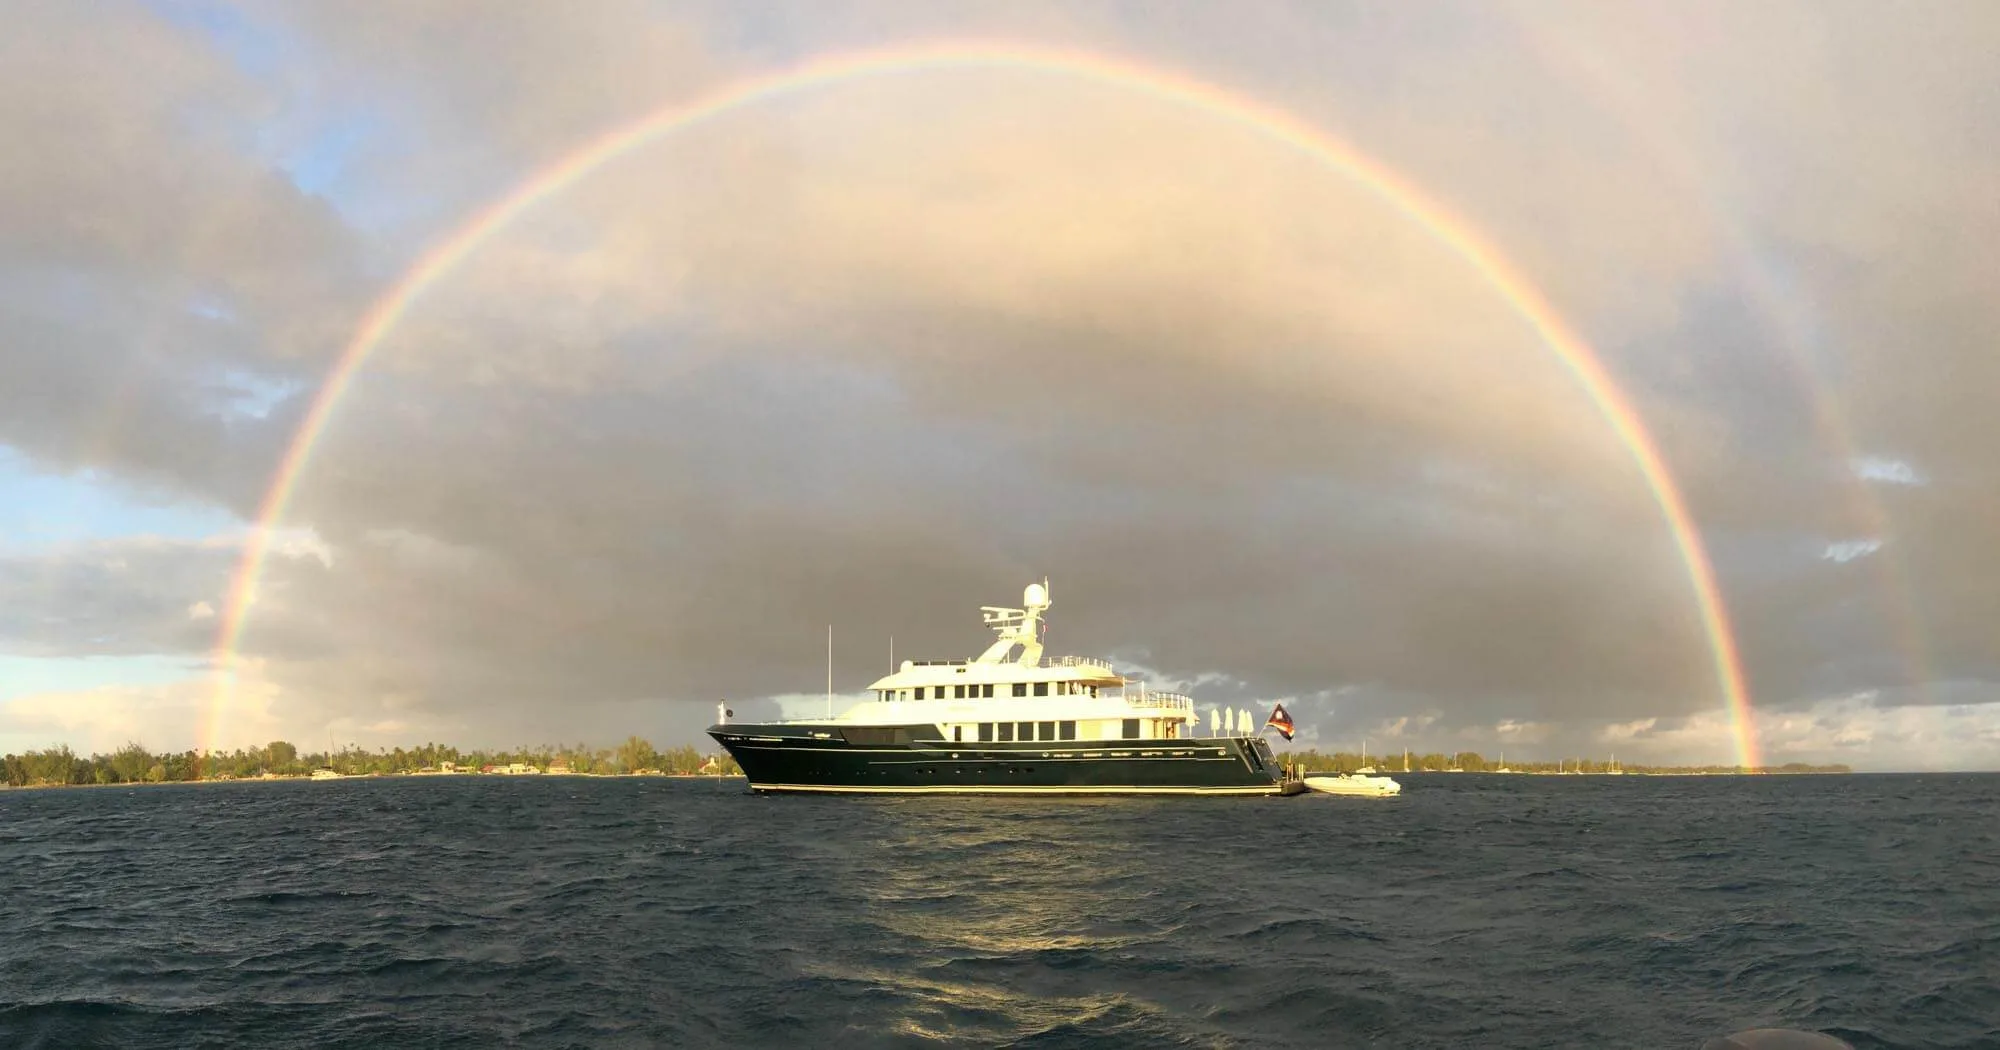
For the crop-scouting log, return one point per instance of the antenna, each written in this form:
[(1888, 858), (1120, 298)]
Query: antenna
[(829, 670)]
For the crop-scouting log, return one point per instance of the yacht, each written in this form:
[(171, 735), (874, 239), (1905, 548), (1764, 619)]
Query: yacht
[(1009, 721)]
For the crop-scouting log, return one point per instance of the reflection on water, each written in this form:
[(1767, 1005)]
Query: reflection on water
[(978, 889), (1489, 911)]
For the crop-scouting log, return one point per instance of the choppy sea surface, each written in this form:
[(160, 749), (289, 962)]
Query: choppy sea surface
[(1473, 911)]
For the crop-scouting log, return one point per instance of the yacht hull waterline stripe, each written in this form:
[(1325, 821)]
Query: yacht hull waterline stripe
[(1277, 125), (1053, 789)]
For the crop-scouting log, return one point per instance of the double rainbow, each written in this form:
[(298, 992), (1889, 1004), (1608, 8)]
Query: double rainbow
[(1278, 127)]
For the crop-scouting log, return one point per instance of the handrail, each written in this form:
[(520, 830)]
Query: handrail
[(1075, 661)]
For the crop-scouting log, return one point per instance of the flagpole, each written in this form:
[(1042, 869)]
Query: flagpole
[(829, 670)]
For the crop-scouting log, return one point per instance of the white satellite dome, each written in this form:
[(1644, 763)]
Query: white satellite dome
[(1036, 594)]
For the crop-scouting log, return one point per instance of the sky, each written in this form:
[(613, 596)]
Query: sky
[(1264, 331)]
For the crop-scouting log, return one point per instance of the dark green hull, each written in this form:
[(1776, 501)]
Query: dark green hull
[(911, 760)]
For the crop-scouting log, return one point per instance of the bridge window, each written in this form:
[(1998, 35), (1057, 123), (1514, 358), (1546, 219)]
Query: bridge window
[(958, 692), (1041, 688), (1067, 730), (986, 689), (1020, 689), (985, 732)]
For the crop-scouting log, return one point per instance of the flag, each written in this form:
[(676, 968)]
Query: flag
[(1280, 721)]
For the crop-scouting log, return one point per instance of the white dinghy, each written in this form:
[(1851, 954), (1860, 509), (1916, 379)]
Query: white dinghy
[(1354, 784)]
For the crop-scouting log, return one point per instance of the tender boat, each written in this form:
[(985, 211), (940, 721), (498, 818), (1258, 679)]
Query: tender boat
[(1354, 784), (1010, 722)]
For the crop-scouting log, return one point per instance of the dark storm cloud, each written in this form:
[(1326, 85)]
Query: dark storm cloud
[(149, 258)]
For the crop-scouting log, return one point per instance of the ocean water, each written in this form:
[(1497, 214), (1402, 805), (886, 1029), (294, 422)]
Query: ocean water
[(1473, 911)]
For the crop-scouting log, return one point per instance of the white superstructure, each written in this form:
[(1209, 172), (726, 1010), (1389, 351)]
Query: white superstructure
[(1012, 689)]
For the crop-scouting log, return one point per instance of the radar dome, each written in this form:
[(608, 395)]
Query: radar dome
[(1036, 594)]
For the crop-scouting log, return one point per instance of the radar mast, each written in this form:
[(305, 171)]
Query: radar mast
[(1020, 627)]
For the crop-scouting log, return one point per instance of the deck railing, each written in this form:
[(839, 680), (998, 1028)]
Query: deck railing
[(1075, 661)]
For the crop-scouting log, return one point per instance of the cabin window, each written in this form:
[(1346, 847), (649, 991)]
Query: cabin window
[(1131, 729), (1020, 689), (985, 732), (1045, 731), (1024, 731), (1041, 688), (957, 734), (986, 689), (1067, 730), (958, 692), (1006, 731)]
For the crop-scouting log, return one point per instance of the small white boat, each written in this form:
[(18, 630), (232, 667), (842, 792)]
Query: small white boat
[(323, 773), (1354, 784)]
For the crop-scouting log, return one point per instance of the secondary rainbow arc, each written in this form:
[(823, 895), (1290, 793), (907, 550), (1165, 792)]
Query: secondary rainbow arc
[(1275, 125), (1782, 306)]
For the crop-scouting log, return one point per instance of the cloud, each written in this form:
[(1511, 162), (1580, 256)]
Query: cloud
[(150, 260), (165, 717), (881, 352), (1891, 471), (1844, 551), (112, 597)]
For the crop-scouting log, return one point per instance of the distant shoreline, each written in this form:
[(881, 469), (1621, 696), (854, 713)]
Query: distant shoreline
[(738, 776), (295, 778)]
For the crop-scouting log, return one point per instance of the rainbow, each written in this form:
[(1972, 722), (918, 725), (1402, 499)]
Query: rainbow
[(1195, 95), (1613, 89)]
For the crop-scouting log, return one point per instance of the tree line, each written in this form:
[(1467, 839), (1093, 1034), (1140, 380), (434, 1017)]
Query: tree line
[(1312, 761), (134, 764)]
